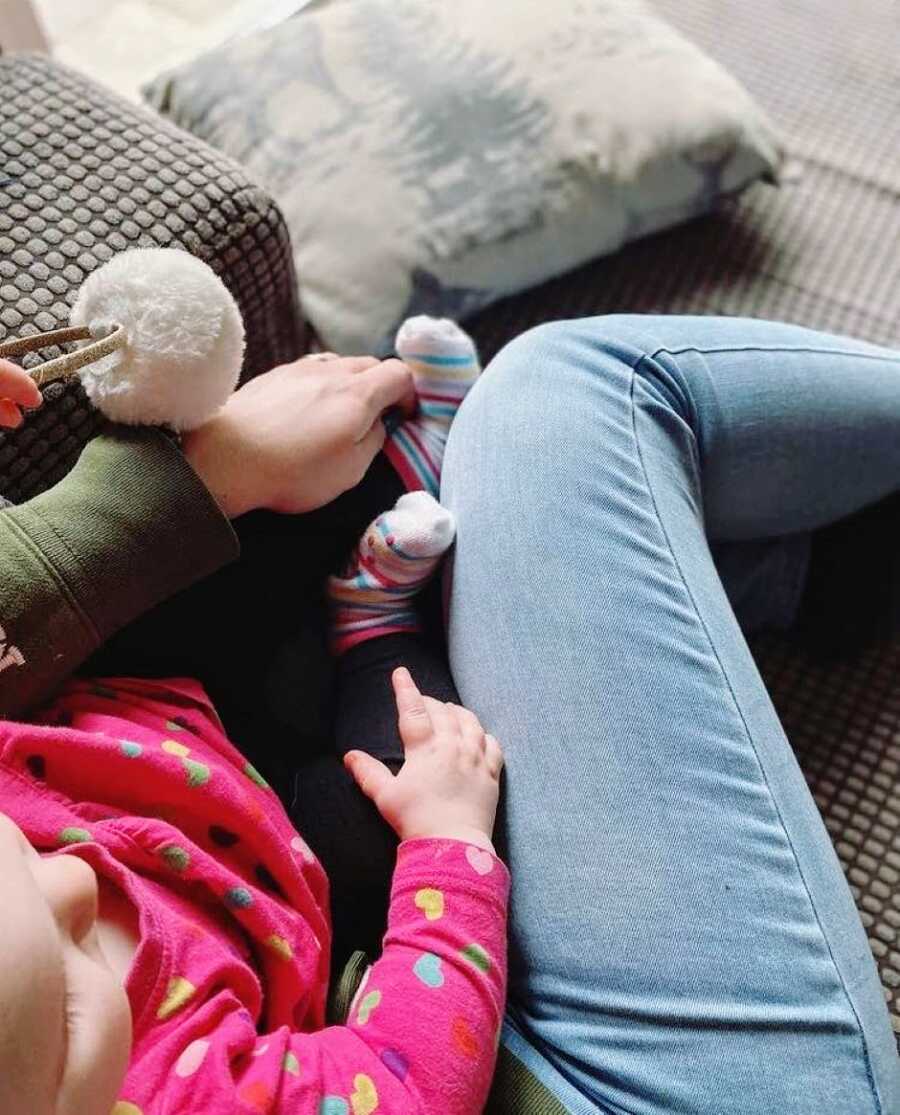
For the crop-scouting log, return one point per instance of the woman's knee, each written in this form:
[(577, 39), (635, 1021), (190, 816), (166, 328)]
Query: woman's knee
[(563, 384), (611, 347), (540, 382), (550, 422), (573, 343)]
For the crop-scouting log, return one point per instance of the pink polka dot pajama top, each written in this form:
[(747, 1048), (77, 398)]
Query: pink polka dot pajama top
[(229, 982)]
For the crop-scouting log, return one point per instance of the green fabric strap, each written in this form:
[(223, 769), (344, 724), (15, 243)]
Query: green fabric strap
[(517, 1091), (342, 992)]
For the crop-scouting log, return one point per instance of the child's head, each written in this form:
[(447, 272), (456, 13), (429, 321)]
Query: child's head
[(65, 1024)]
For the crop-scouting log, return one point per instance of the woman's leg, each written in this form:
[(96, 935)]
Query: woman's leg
[(683, 939)]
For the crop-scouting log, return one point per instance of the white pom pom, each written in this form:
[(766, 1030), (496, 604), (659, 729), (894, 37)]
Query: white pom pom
[(185, 338)]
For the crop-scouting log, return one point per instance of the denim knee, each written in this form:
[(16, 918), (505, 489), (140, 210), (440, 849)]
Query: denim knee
[(552, 370), (551, 412)]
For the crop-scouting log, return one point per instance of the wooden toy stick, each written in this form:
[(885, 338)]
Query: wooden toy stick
[(72, 362)]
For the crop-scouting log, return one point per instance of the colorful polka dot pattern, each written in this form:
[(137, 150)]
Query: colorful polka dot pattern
[(464, 1039), (178, 993), (429, 969), (254, 776), (333, 1105), (198, 774), (302, 849), (192, 1058), (364, 1099), (257, 1095), (431, 902), (239, 898), (477, 957), (233, 851), (395, 1063), (480, 860), (280, 946), (173, 747), (367, 1005), (176, 857)]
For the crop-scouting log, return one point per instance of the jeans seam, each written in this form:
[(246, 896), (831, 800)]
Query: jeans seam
[(770, 348), (712, 645)]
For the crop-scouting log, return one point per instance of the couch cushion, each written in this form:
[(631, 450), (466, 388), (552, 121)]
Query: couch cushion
[(433, 157)]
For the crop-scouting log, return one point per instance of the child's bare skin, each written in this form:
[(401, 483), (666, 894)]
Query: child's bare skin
[(449, 783), (65, 1025)]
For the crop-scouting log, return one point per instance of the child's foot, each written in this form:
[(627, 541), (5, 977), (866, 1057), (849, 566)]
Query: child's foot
[(396, 557), (445, 364)]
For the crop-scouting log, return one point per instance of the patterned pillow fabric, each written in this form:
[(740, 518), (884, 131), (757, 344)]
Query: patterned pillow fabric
[(435, 155)]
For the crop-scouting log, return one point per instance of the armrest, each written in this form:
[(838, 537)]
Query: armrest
[(85, 174)]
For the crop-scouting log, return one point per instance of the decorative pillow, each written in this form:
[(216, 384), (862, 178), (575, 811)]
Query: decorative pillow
[(435, 155)]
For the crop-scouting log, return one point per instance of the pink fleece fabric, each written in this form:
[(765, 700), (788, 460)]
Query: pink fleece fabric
[(229, 982)]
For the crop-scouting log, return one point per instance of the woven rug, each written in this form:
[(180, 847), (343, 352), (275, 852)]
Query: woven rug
[(844, 723)]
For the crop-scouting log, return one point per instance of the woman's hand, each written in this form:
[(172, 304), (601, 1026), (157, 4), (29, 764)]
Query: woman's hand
[(17, 391), (297, 437), (450, 781)]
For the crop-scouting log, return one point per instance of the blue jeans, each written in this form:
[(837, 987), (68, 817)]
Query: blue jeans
[(682, 936)]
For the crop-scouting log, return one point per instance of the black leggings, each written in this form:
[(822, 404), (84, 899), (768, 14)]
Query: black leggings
[(255, 635), (342, 827)]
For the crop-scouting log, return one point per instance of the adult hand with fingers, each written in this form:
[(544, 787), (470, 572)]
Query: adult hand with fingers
[(18, 392), (299, 436), (449, 784)]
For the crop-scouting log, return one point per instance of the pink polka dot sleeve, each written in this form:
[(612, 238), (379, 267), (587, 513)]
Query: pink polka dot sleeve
[(431, 1008), (423, 1029)]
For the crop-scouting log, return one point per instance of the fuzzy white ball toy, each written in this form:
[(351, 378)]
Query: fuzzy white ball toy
[(181, 338)]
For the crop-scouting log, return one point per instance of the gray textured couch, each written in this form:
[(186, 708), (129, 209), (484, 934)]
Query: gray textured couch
[(84, 175)]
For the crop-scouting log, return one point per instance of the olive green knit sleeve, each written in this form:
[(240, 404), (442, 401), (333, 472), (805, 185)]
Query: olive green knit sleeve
[(130, 525)]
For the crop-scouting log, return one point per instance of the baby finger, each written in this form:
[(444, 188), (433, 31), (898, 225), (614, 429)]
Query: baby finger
[(493, 754), (470, 726), (442, 719)]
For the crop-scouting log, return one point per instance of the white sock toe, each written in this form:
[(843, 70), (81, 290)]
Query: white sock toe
[(419, 526), (432, 335)]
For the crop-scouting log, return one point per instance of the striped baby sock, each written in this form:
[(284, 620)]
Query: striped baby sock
[(444, 363), (395, 559)]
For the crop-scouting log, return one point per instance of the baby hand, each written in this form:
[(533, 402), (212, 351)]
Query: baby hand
[(17, 389), (449, 784)]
